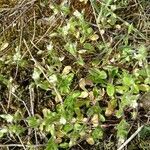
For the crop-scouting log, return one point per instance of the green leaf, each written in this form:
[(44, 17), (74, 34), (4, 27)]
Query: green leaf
[(144, 87), (17, 116), (119, 113), (127, 100), (110, 90), (102, 118), (147, 80), (8, 117), (135, 89), (142, 53), (65, 82), (3, 131), (33, 122), (94, 110), (67, 128), (97, 75), (16, 129), (122, 129), (108, 2), (69, 102), (121, 89), (78, 127), (45, 85), (145, 132), (4, 80), (128, 80), (82, 39), (80, 61), (65, 10), (97, 133), (51, 145), (64, 145), (88, 46), (47, 124), (96, 92), (71, 48), (130, 28)]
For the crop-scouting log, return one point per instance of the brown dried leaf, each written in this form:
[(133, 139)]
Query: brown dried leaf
[(111, 108), (66, 70), (4, 46), (90, 140), (94, 37), (84, 94), (91, 96), (82, 84), (95, 120)]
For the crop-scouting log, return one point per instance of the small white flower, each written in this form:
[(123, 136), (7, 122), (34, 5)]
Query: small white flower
[(134, 104), (36, 74), (53, 78), (62, 120), (77, 14), (49, 47), (61, 58), (113, 7)]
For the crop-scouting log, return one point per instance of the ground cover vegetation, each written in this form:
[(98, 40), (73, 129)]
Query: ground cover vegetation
[(74, 74)]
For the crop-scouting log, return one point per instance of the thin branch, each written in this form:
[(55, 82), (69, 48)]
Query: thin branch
[(21, 142), (42, 70), (20, 145), (131, 137), (47, 31), (96, 19), (34, 27), (23, 103), (9, 94), (31, 91), (18, 17)]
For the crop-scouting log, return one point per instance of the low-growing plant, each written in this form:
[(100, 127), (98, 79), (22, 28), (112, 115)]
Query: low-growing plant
[(78, 75)]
